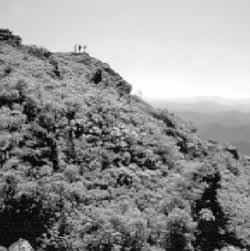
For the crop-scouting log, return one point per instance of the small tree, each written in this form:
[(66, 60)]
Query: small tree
[(179, 232)]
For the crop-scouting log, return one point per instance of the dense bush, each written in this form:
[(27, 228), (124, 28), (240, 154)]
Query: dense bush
[(40, 52), (179, 231)]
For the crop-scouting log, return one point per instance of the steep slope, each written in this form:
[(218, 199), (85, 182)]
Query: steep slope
[(85, 165)]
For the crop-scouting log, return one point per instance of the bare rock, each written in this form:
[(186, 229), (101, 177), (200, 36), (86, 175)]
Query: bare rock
[(230, 248), (21, 245)]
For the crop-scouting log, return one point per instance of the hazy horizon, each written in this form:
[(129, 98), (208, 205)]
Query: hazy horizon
[(202, 104), (202, 99), (163, 48)]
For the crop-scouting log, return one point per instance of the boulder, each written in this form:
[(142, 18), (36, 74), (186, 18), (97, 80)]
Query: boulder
[(230, 248), (21, 245), (2, 248)]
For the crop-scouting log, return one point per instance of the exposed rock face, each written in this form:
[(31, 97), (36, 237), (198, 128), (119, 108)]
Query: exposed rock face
[(21, 245), (2, 248), (7, 36)]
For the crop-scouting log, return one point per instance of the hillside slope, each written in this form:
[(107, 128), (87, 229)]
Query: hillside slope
[(85, 165)]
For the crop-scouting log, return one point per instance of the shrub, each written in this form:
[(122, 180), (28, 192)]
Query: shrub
[(71, 172), (179, 231), (38, 52), (97, 78), (26, 211), (170, 203)]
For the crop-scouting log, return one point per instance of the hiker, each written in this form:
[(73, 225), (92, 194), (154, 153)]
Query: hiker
[(79, 48)]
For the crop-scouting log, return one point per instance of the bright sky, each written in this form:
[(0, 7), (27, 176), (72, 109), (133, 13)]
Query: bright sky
[(165, 48)]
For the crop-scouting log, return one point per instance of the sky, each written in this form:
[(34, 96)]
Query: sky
[(164, 48)]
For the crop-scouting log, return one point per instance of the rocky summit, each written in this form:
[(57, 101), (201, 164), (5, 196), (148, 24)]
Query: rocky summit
[(86, 165)]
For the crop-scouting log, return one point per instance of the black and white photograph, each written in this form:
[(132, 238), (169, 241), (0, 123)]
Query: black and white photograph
[(124, 125)]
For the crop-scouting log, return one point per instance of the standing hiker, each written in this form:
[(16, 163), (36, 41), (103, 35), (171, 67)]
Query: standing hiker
[(75, 48), (79, 48)]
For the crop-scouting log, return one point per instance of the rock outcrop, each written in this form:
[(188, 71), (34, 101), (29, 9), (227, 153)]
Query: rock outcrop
[(21, 245)]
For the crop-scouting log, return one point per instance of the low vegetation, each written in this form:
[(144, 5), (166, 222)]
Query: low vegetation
[(85, 165)]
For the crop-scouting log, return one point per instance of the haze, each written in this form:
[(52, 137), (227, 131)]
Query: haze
[(164, 48)]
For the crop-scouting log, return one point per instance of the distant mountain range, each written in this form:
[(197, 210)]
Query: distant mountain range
[(202, 104), (215, 118)]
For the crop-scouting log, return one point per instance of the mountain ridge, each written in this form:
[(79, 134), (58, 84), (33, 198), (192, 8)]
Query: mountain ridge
[(85, 165)]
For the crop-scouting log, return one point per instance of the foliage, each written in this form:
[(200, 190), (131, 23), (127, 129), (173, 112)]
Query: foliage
[(86, 166), (179, 231), (39, 52)]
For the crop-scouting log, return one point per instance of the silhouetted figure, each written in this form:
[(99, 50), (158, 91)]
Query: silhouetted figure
[(75, 48), (79, 48)]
